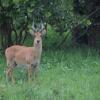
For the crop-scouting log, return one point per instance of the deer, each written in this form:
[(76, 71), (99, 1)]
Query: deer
[(28, 56)]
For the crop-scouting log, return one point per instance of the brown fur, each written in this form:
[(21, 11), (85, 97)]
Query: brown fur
[(28, 56)]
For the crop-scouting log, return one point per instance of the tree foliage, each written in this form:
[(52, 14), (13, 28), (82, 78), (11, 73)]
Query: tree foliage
[(89, 8), (16, 17), (14, 20)]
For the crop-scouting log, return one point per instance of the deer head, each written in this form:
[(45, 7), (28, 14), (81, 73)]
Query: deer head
[(39, 29), (38, 33)]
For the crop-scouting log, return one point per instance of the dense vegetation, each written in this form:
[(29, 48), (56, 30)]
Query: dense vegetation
[(71, 74)]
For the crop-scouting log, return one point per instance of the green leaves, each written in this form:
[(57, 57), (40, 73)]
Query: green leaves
[(57, 13)]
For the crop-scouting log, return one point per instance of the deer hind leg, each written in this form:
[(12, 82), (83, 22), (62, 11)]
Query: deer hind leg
[(9, 72)]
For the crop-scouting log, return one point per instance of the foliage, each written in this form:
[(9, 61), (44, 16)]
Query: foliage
[(15, 18), (18, 15), (90, 8)]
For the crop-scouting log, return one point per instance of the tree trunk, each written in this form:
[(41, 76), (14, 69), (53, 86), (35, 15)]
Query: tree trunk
[(5, 30)]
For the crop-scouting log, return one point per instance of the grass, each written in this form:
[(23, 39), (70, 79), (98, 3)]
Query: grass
[(72, 74)]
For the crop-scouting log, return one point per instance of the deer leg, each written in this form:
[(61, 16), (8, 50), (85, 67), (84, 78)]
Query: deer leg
[(36, 71), (30, 73), (12, 78), (9, 74)]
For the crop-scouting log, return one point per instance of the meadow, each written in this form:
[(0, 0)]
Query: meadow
[(71, 74)]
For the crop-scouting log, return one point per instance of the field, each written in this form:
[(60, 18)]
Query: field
[(71, 74)]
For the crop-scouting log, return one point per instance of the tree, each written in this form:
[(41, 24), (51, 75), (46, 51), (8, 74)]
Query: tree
[(20, 14), (91, 9), (14, 18)]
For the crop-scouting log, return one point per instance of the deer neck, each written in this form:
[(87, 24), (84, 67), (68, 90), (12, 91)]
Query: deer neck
[(38, 49)]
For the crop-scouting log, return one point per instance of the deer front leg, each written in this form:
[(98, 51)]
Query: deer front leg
[(36, 71)]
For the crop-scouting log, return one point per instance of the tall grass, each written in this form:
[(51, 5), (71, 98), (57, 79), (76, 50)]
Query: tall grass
[(72, 74)]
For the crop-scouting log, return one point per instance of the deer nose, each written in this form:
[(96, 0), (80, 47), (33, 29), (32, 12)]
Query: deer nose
[(38, 41)]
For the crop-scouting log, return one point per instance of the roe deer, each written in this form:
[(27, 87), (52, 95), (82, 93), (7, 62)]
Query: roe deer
[(28, 56)]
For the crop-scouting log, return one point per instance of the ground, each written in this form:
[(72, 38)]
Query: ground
[(72, 74)]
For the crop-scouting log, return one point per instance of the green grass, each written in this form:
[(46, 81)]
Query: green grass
[(73, 74)]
